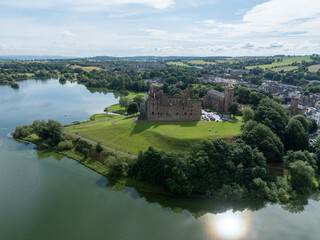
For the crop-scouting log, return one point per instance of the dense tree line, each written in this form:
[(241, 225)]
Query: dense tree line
[(251, 96), (239, 169)]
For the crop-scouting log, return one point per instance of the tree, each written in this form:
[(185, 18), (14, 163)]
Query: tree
[(247, 114), (51, 131), (138, 99), (15, 85), (165, 88), (317, 152), (125, 102), (304, 156), (233, 109), (99, 147), (271, 118), (132, 108), (295, 137), (313, 126), (304, 122), (62, 80), (260, 136), (118, 166), (302, 175)]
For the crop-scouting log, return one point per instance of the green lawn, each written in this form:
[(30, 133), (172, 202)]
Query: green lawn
[(117, 109), (121, 110), (123, 134), (100, 116), (286, 61), (133, 94), (180, 64)]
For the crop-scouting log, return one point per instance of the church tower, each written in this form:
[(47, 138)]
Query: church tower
[(228, 96), (294, 105)]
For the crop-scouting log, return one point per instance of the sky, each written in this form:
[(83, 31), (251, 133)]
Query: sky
[(82, 28)]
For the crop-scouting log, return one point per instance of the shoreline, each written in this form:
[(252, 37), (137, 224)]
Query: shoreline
[(157, 193), (99, 168)]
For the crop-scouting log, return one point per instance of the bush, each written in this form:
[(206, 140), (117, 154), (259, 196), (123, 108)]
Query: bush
[(118, 166), (99, 148), (302, 175), (15, 85), (65, 145), (22, 131), (247, 114)]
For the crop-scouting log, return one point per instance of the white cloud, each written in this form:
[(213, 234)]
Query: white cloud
[(275, 17), (85, 5), (156, 32), (273, 27), (67, 34), (209, 23), (3, 46), (282, 11)]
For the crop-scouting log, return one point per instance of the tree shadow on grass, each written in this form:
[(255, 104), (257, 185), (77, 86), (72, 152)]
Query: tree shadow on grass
[(143, 126)]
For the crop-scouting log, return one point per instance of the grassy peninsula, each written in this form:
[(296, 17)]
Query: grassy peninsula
[(221, 160), (123, 133)]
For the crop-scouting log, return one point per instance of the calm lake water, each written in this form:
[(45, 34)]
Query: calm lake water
[(47, 196)]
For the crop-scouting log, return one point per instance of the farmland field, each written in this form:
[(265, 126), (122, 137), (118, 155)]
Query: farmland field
[(180, 64), (286, 68), (87, 69), (285, 62), (314, 68), (201, 62)]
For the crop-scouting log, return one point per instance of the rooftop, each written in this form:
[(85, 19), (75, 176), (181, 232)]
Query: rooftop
[(215, 92)]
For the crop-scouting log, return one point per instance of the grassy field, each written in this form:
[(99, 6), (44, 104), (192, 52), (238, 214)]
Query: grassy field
[(201, 62), (117, 109), (87, 69), (286, 69), (286, 61), (123, 134), (100, 116), (180, 64), (314, 68), (133, 94)]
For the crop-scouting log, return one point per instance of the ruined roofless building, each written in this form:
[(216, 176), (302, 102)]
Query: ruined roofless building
[(219, 101), (162, 108)]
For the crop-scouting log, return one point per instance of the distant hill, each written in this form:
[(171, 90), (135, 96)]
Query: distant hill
[(31, 57), (156, 58)]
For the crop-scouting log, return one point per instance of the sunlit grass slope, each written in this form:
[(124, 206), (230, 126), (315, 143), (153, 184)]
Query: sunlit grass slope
[(123, 134)]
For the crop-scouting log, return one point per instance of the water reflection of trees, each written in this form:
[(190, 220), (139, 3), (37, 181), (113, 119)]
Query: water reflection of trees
[(105, 91), (199, 206)]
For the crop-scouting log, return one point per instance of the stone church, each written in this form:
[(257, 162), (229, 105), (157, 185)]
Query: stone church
[(219, 101), (158, 107)]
